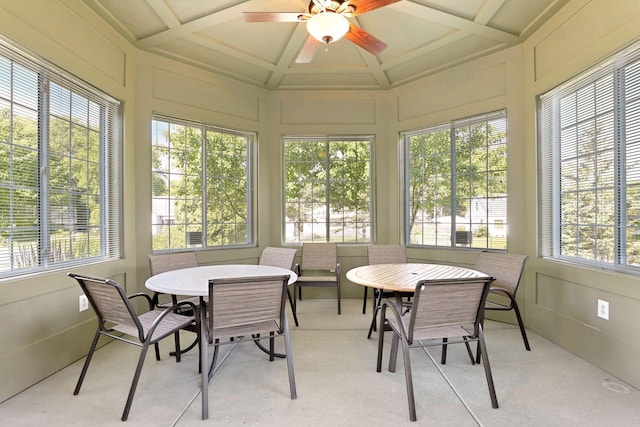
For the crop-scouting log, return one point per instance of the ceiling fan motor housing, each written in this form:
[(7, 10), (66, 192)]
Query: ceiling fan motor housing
[(336, 6)]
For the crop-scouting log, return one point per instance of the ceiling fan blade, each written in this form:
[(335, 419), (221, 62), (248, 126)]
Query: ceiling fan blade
[(272, 16), (363, 6), (308, 50), (365, 40)]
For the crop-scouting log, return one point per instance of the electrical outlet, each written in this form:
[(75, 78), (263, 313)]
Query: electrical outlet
[(83, 303), (603, 309)]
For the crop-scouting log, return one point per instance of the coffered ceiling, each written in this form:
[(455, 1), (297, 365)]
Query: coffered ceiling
[(423, 37)]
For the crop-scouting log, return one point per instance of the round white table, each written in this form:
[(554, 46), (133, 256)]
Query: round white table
[(194, 281)]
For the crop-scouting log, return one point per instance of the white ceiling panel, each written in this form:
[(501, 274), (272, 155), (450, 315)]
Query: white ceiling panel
[(422, 37)]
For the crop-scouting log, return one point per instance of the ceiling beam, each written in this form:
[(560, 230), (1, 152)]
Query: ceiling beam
[(442, 18), (288, 56), (409, 55), (184, 30), (210, 43), (373, 65), (165, 13), (551, 10), (104, 13), (488, 10), (206, 66)]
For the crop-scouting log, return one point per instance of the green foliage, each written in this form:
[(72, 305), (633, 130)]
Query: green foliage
[(185, 178), (478, 166), (18, 170), (587, 197), (328, 184), (72, 180)]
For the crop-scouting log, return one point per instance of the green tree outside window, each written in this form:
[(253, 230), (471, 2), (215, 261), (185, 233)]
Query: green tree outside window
[(456, 183), (201, 186), (327, 186)]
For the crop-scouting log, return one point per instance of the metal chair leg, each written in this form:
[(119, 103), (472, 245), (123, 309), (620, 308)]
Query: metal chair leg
[(364, 301), (521, 325), (134, 383), (409, 381), (376, 309), (487, 370), (293, 306), (443, 356), (87, 361), (287, 347)]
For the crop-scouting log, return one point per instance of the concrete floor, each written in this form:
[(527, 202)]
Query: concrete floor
[(337, 384)]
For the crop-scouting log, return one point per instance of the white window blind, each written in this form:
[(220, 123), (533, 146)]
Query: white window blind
[(589, 166), (60, 168)]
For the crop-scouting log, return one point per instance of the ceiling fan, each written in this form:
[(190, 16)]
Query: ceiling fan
[(327, 22)]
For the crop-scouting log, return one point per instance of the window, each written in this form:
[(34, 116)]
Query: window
[(589, 166), (327, 189), (60, 169), (456, 183), (201, 186)]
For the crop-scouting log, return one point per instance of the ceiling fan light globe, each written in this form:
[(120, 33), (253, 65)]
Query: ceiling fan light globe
[(327, 27)]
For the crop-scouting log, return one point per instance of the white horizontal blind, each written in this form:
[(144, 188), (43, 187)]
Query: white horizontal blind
[(19, 167), (629, 132), (60, 180), (589, 166)]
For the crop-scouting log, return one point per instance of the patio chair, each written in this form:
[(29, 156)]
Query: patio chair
[(161, 263), (243, 309), (283, 258), (383, 254), (319, 267), (116, 316), (441, 311), (507, 270)]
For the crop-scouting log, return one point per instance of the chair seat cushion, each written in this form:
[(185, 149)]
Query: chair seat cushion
[(304, 279), (427, 333), (168, 325)]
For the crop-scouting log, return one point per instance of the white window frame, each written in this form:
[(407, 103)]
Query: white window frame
[(452, 231), (87, 227), (605, 100), (326, 223), (193, 234)]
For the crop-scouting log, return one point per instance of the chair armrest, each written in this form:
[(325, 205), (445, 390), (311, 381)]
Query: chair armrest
[(172, 309), (142, 294), (297, 269), (180, 306), (501, 291), (158, 304), (396, 314)]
